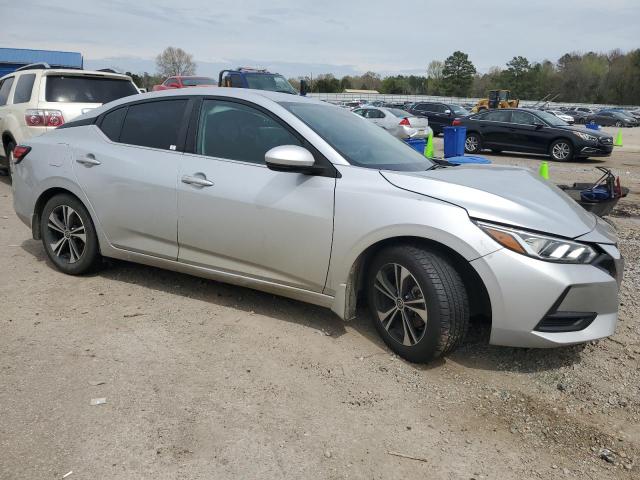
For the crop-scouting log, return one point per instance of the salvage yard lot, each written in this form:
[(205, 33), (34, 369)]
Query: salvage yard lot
[(206, 380)]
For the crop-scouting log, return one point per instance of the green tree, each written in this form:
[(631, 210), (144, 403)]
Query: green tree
[(458, 74)]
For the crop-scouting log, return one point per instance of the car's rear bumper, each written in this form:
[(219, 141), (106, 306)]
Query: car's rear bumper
[(544, 304)]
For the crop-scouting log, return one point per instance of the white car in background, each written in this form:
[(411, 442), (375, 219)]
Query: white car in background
[(399, 123), (36, 98), (562, 116)]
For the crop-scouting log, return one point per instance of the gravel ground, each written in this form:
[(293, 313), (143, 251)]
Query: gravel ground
[(204, 380)]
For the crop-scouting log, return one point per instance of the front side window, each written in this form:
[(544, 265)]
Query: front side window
[(236, 131), (5, 88), (551, 119), (169, 81), (523, 118), (363, 144), (274, 83), (24, 88), (235, 80), (154, 124), (85, 89), (195, 81)]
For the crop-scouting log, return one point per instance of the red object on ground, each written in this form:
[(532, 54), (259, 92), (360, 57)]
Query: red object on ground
[(182, 81)]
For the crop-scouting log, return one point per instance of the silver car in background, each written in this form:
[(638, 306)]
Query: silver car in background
[(304, 199), (397, 122)]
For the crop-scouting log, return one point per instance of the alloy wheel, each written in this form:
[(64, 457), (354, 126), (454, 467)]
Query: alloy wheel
[(471, 144), (400, 304), (68, 237), (561, 151)]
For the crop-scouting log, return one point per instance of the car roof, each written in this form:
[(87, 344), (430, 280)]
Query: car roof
[(256, 96)]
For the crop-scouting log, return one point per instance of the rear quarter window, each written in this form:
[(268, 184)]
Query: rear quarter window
[(24, 88), (111, 123), (86, 89), (5, 88)]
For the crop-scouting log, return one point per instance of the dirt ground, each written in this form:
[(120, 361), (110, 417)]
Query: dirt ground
[(206, 381)]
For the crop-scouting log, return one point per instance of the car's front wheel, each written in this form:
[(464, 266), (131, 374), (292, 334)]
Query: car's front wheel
[(618, 124), (68, 235), (561, 150), (418, 302), (473, 144)]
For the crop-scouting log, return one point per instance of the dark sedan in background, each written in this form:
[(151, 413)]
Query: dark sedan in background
[(440, 115), (612, 118), (532, 131)]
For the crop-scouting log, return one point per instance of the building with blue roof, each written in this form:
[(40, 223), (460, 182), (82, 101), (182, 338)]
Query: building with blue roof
[(14, 58)]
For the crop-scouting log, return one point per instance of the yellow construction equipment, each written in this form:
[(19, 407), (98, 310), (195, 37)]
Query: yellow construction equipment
[(497, 99)]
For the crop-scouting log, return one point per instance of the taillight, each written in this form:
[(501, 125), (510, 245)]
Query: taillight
[(19, 153), (44, 118), (456, 123), (405, 122)]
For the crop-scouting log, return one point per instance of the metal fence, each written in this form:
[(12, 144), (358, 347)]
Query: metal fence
[(371, 97)]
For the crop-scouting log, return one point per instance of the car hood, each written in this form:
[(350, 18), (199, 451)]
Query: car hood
[(507, 195), (574, 128)]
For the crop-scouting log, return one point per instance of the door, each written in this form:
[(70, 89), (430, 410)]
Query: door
[(238, 216), (128, 168), (494, 128), (523, 132)]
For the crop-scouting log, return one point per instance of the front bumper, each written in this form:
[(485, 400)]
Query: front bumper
[(595, 149), (524, 291)]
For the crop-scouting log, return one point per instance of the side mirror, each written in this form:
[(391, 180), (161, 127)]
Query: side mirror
[(290, 158), (538, 126), (447, 111), (304, 87)]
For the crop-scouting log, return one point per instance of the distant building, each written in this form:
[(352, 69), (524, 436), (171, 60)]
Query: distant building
[(14, 58), (364, 92)]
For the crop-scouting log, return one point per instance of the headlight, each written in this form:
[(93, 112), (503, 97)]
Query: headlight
[(538, 246), (586, 136)]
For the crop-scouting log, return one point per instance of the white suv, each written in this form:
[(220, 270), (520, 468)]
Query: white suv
[(36, 98)]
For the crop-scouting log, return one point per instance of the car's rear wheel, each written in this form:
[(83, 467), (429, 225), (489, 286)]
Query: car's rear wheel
[(472, 144), (68, 235), (9, 156), (418, 302), (561, 150)]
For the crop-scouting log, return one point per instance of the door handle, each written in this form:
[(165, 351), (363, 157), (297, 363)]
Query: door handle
[(88, 160), (197, 181)]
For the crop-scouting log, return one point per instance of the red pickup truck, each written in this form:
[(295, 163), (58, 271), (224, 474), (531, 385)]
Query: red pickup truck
[(183, 81)]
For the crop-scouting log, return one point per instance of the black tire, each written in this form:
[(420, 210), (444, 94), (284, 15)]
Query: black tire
[(473, 143), (8, 155), (445, 300), (58, 241), (561, 150), (618, 124)]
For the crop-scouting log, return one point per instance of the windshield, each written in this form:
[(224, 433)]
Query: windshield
[(551, 119), (267, 81), (458, 110), (194, 81), (85, 89), (360, 142)]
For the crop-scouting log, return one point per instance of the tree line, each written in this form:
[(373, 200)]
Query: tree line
[(592, 77)]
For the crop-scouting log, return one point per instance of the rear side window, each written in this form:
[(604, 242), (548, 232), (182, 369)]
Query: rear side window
[(5, 88), (84, 89), (236, 81), (498, 116), (154, 124), (111, 124), (238, 132), (24, 88)]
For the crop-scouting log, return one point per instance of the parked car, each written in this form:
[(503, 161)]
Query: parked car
[(587, 110), (533, 131), (399, 123), (562, 116), (440, 115), (300, 198), (183, 81), (35, 99), (579, 116), (635, 114), (610, 118)]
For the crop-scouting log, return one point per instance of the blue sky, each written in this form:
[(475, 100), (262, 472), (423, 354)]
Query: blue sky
[(298, 37)]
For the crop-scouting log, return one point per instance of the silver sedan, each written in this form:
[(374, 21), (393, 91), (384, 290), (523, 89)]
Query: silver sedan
[(304, 199), (397, 122)]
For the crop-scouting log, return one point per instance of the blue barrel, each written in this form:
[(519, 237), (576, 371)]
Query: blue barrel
[(593, 126), (418, 144), (454, 138)]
